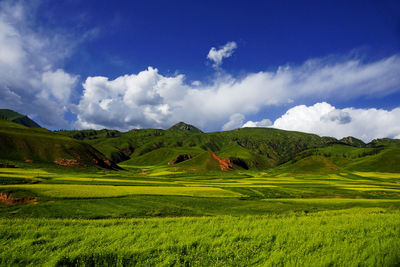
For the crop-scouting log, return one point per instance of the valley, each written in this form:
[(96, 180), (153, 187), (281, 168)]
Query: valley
[(250, 196)]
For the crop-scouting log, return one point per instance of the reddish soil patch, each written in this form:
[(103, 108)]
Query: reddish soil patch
[(107, 162), (225, 165), (9, 200), (69, 162)]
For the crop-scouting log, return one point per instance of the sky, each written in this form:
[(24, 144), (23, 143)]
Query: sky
[(326, 67)]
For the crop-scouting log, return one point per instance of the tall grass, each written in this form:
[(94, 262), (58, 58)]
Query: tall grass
[(368, 237)]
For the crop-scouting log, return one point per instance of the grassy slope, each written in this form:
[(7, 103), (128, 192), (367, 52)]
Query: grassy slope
[(260, 148), (315, 179), (17, 118), (21, 143), (337, 157), (385, 161)]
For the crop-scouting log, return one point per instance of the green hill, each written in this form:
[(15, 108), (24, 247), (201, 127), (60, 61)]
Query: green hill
[(184, 147), (352, 141), (181, 126), (7, 114), (20, 143), (388, 160), (257, 148), (338, 157)]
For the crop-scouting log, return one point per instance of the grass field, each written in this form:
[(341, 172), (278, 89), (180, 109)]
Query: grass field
[(149, 216), (354, 237)]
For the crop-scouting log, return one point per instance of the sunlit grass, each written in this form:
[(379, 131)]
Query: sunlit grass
[(98, 191), (24, 171), (378, 174), (353, 237), (161, 173), (17, 175), (372, 188)]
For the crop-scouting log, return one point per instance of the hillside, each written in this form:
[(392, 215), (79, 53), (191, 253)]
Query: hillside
[(255, 148), (181, 126), (21, 143), (7, 114), (244, 148)]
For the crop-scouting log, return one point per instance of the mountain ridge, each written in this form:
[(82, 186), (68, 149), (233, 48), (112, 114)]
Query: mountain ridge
[(245, 148), (182, 126), (8, 114), (185, 147)]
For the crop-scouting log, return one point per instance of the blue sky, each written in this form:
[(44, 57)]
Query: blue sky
[(327, 67)]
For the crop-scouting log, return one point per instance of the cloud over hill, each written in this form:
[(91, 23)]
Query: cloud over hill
[(150, 99), (326, 120)]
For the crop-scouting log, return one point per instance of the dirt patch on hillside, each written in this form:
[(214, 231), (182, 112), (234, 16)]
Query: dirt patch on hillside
[(8, 199), (225, 164), (69, 162)]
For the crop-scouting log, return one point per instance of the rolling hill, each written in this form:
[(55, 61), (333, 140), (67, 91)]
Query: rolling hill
[(256, 148), (184, 147), (20, 143), (245, 148), (7, 114)]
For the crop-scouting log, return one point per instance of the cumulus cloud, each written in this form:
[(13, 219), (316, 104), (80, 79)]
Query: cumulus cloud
[(224, 51), (262, 123), (326, 120), (146, 99), (29, 81), (150, 99), (235, 121), (32, 81), (58, 84)]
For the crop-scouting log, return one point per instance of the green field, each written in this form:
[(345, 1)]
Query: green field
[(181, 197), (353, 237), (148, 216)]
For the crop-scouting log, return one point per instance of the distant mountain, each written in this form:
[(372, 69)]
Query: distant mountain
[(181, 126), (384, 142), (257, 148), (184, 147), (352, 141), (7, 114), (39, 145)]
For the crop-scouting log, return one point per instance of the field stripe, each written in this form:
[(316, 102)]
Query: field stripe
[(99, 191)]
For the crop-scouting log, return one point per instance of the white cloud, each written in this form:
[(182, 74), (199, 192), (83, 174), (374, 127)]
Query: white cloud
[(326, 120), (32, 82), (196, 83), (262, 123), (150, 99), (137, 100), (58, 84), (235, 121), (224, 51), (29, 81)]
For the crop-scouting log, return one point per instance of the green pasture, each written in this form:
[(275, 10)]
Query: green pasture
[(150, 216), (143, 181), (354, 237), (99, 191)]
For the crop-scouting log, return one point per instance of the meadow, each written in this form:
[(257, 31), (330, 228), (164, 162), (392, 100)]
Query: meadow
[(148, 215), (354, 237)]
